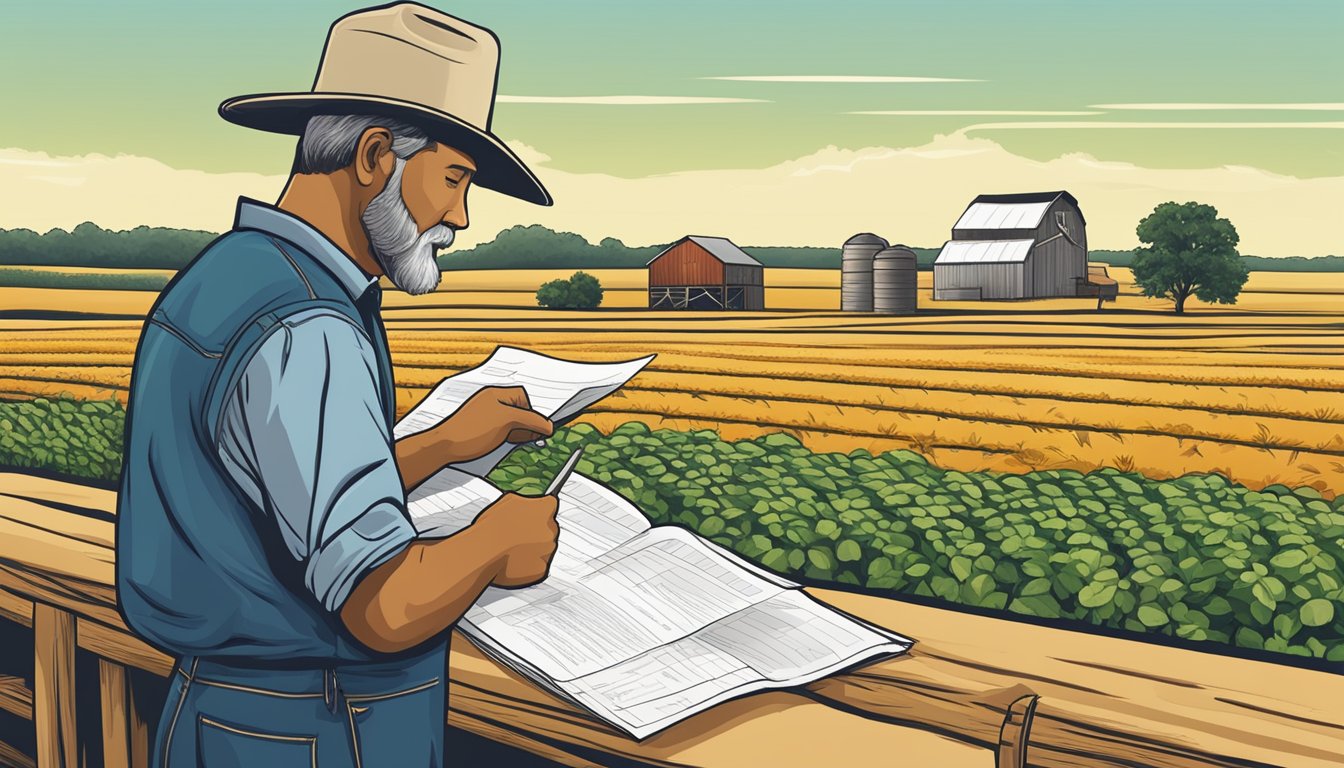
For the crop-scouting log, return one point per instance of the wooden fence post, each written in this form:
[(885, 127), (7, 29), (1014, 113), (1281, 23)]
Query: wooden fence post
[(125, 733), (1015, 733), (54, 687)]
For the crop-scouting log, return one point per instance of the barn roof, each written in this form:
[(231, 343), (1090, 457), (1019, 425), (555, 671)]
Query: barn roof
[(984, 251), (1017, 211), (720, 248)]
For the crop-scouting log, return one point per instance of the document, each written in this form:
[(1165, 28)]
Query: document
[(641, 625), (645, 626), (557, 389)]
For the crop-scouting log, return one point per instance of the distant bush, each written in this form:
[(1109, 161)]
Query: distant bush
[(580, 291)]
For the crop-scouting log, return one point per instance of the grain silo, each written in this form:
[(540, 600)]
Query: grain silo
[(856, 271), (895, 280)]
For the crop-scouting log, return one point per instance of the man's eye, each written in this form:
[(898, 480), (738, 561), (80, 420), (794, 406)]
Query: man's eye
[(451, 181)]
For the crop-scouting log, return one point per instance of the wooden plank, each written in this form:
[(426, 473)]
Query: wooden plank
[(1103, 701), (31, 533), (96, 601), (24, 512), (11, 757), (778, 729), (125, 732), (1015, 735), (15, 697), (71, 494), (16, 608), (54, 687), (1114, 702), (117, 644)]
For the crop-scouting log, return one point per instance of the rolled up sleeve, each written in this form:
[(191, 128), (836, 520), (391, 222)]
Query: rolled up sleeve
[(303, 434)]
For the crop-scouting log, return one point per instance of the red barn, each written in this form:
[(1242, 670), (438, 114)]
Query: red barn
[(699, 272)]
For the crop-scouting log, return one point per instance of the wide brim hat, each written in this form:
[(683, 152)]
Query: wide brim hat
[(411, 63)]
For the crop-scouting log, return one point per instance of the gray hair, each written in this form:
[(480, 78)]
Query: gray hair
[(329, 141)]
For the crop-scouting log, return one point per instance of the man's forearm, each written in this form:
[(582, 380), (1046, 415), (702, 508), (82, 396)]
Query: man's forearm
[(423, 590), (422, 454)]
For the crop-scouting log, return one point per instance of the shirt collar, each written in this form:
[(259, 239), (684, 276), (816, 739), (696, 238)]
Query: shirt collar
[(254, 214)]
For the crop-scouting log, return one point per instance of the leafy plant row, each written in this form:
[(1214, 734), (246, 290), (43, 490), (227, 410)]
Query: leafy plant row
[(1197, 557), (74, 437)]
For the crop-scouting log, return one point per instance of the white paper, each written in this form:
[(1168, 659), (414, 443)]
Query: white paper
[(786, 640), (448, 501), (557, 389), (650, 590), (642, 626)]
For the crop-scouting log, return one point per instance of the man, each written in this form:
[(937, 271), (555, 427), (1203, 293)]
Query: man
[(262, 533)]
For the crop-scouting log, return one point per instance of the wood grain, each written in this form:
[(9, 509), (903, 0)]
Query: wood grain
[(125, 732), (54, 687), (15, 697), (11, 757), (1102, 701)]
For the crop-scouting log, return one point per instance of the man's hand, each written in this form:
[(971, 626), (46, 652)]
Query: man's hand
[(526, 530), (487, 420)]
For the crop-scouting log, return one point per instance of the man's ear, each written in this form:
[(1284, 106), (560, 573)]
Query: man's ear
[(374, 161)]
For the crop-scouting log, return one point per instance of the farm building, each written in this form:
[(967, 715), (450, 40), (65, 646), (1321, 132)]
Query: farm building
[(699, 272), (1024, 246)]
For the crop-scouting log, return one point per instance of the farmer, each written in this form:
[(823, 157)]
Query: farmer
[(262, 532)]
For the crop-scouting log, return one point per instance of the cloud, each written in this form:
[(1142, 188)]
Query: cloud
[(1313, 107), (1005, 112), (623, 100), (1121, 124), (840, 79), (910, 194)]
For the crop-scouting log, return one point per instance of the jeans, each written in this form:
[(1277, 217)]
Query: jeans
[(218, 715)]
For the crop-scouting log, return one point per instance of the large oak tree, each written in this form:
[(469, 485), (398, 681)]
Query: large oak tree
[(1188, 251)]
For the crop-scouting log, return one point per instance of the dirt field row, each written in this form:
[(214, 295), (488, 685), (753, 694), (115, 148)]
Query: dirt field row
[(1254, 391)]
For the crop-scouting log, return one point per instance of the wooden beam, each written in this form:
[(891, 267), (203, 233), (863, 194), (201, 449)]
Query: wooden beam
[(15, 697), (54, 687), (1016, 733), (11, 756), (16, 608), (117, 644), (125, 732), (1103, 701)]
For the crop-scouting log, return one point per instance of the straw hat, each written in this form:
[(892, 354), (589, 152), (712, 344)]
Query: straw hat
[(411, 63)]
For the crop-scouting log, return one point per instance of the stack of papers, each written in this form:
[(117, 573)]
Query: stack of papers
[(642, 625)]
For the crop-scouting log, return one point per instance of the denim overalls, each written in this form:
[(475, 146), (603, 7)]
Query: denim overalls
[(266, 676)]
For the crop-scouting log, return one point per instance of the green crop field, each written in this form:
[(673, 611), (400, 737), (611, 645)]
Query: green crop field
[(1197, 557)]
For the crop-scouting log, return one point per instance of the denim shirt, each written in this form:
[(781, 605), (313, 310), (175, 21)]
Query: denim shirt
[(259, 481), (303, 432)]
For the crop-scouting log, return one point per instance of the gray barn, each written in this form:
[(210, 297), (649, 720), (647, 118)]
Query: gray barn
[(1023, 246)]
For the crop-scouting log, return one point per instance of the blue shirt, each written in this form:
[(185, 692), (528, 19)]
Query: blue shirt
[(303, 433)]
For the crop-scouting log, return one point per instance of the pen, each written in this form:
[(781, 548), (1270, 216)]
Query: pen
[(564, 472)]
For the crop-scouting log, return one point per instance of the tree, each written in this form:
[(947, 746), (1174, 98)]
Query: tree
[(580, 291), (1188, 251)]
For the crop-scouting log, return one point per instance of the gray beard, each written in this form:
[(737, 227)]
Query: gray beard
[(405, 254)]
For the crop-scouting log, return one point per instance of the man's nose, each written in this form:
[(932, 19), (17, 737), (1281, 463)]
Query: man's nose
[(456, 217)]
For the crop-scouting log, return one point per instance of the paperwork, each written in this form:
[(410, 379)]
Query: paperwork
[(557, 389), (643, 626)]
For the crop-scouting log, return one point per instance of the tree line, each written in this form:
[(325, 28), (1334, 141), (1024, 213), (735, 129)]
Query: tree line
[(519, 247)]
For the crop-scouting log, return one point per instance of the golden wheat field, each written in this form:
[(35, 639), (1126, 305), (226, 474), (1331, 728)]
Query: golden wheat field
[(1254, 391)]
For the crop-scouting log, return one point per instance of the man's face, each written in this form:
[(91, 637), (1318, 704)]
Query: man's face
[(423, 203)]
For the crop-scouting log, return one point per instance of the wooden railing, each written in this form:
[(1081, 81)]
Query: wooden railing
[(974, 691)]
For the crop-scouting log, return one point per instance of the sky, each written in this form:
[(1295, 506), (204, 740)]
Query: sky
[(1129, 103)]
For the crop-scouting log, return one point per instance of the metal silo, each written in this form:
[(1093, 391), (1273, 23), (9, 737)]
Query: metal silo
[(895, 280), (856, 271)]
